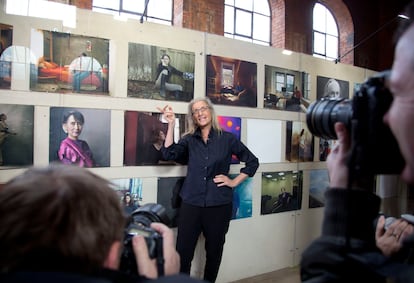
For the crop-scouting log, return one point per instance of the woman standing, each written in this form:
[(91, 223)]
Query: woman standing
[(207, 192)]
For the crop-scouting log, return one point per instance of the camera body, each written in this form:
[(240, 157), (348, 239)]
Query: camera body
[(374, 148), (139, 224)]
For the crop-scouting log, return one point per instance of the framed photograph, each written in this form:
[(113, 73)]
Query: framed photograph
[(160, 73), (299, 142), (285, 89), (231, 81), (242, 199), (6, 55), (144, 135), (281, 191), (232, 125), (331, 87), (164, 194), (319, 182), (16, 135), (77, 136), (68, 62)]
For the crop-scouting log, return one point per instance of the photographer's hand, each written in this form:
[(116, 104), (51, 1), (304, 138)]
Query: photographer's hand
[(147, 266), (389, 240), (337, 158)]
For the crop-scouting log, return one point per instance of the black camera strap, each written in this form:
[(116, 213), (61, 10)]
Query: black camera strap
[(160, 256)]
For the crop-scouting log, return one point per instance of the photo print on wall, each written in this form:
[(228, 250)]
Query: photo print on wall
[(285, 89), (129, 191), (144, 136), (77, 136), (331, 87), (231, 81), (6, 55), (232, 125), (68, 62), (319, 182), (242, 198), (281, 191), (299, 142), (164, 193), (16, 135), (160, 73)]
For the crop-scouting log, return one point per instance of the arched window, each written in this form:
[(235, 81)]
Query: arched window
[(325, 33), (247, 20), (158, 11)]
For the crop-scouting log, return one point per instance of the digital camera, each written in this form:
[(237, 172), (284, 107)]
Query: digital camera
[(139, 224), (374, 148)]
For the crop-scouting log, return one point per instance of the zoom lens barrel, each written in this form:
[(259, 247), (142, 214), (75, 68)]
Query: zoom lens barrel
[(324, 113)]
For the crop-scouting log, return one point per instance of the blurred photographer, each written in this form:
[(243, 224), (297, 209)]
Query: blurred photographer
[(62, 223), (351, 247)]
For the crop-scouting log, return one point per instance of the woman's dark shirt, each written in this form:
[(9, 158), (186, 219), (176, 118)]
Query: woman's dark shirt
[(205, 161)]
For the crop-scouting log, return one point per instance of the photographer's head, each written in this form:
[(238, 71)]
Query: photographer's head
[(400, 116), (59, 218)]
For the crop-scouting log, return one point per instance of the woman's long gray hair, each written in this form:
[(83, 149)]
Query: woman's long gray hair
[(192, 126)]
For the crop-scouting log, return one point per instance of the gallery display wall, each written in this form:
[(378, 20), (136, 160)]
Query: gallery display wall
[(265, 235)]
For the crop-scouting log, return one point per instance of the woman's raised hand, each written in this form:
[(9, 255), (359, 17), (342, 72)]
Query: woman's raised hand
[(168, 113)]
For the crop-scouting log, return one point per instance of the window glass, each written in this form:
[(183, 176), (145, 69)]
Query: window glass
[(280, 81), (331, 47), (319, 18), (261, 7), (111, 4), (243, 23), (133, 5), (325, 33), (247, 20), (318, 43), (331, 25), (159, 11), (261, 29), (41, 9), (229, 20), (244, 4)]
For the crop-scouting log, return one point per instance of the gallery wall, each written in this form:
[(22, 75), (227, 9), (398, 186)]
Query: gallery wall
[(254, 245)]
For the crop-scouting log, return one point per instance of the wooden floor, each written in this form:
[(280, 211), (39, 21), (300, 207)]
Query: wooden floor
[(286, 275)]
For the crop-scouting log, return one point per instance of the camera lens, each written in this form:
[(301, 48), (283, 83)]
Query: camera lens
[(323, 114), (139, 223)]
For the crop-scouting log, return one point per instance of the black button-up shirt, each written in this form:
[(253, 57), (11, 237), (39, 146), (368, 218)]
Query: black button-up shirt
[(205, 161)]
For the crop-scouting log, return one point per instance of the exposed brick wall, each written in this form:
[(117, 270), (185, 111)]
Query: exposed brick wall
[(201, 15), (178, 13), (277, 7), (82, 4), (345, 29)]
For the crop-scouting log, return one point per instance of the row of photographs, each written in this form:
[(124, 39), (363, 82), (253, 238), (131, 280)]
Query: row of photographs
[(76, 136), (280, 192), (67, 63)]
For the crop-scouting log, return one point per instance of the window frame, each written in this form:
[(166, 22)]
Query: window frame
[(249, 36), (325, 34), (150, 17)]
